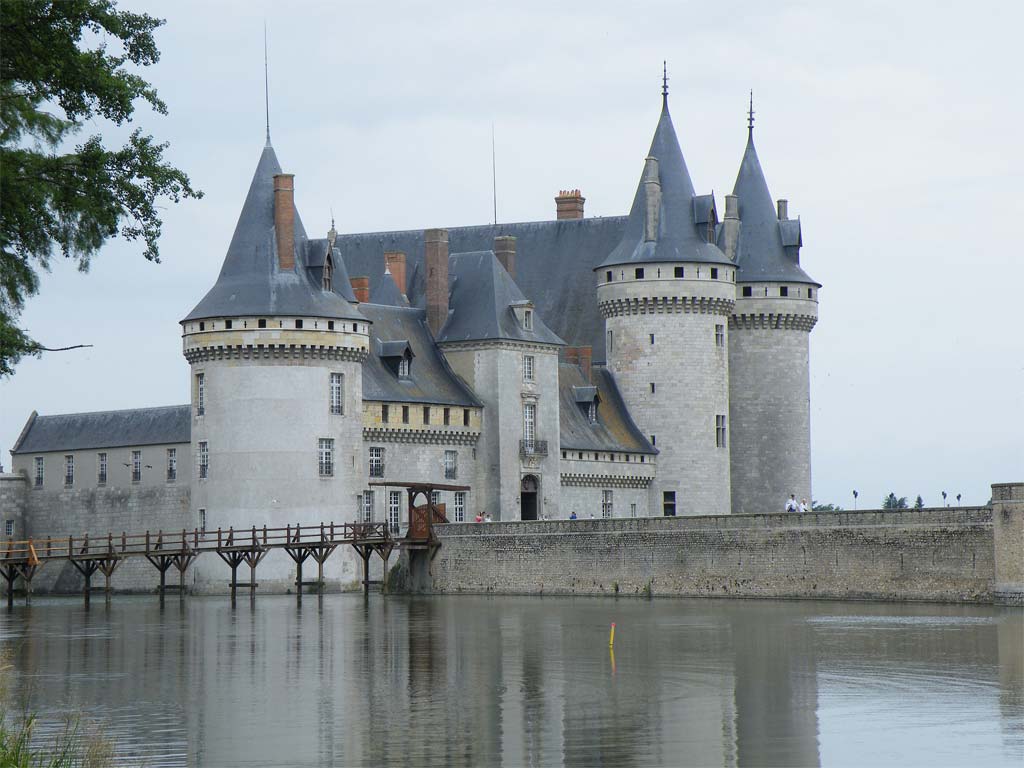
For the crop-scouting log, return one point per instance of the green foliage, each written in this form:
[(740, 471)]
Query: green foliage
[(891, 502), (51, 84), (817, 506), (919, 502)]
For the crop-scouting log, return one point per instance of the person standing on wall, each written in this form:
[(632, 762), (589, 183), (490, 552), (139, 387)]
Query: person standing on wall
[(791, 505)]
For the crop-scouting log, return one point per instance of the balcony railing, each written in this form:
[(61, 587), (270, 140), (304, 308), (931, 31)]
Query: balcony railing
[(533, 447)]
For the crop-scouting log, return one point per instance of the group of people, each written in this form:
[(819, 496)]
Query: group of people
[(482, 517), (793, 506)]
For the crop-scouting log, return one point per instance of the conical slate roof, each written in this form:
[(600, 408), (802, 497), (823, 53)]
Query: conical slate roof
[(761, 253), (386, 292), (250, 281), (678, 237)]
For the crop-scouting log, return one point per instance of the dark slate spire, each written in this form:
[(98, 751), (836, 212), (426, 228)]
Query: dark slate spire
[(250, 280), (768, 248), (386, 292), (678, 236)]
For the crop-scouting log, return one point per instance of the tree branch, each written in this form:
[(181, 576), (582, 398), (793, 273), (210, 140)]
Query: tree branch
[(41, 348)]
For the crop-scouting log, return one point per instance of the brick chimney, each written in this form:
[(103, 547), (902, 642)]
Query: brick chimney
[(783, 210), (395, 263), (581, 356), (361, 288), (505, 250), (569, 204), (436, 258), (284, 219)]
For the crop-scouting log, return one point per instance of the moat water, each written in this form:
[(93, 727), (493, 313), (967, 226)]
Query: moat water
[(472, 681)]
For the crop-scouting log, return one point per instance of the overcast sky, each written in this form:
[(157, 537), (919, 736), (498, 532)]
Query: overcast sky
[(892, 128)]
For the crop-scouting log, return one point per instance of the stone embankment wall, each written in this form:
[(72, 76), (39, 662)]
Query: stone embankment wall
[(944, 554)]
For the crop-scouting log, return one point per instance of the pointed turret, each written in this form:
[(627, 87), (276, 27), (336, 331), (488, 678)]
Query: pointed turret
[(264, 271), (768, 247), (668, 221)]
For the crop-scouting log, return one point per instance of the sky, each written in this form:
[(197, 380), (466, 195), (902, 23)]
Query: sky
[(892, 128)]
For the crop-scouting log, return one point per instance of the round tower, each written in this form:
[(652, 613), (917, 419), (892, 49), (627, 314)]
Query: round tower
[(666, 293), (769, 333), (276, 350)]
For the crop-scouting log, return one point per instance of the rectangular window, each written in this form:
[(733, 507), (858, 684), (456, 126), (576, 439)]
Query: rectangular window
[(385, 413), (376, 462), (202, 518), (668, 503), (592, 411), (405, 414), (714, 273), (200, 394), (528, 320), (719, 335), (652, 339), (679, 272), (529, 425), (447, 416), (748, 290), (101, 469), (435, 497), (465, 417), (527, 367), (426, 415), (367, 506), (451, 465), (326, 457), (784, 291), (330, 325), (136, 466), (654, 439), (460, 507), (609, 344), (172, 464), (606, 503), (608, 276), (810, 293), (638, 273), (403, 368), (227, 325), (652, 387), (69, 470), (298, 324), (261, 323), (9, 528), (204, 460), (394, 510), (720, 431), (632, 509), (337, 394)]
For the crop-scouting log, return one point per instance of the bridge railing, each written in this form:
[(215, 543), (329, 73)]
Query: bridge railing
[(196, 540)]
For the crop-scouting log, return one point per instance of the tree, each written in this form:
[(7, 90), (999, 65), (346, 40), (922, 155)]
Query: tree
[(819, 507), (891, 502), (51, 84), (919, 503)]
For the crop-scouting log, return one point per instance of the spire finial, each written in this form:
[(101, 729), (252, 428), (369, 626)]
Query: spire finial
[(266, 80), (664, 83), (750, 115)]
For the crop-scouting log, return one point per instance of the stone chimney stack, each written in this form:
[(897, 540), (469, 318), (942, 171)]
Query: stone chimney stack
[(361, 288), (284, 219), (731, 226), (436, 258), (505, 250), (395, 263), (569, 204), (581, 356), (783, 210), (652, 192)]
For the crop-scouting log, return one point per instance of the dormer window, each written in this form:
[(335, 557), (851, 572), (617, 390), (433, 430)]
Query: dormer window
[(528, 320), (403, 368), (328, 273), (592, 411)]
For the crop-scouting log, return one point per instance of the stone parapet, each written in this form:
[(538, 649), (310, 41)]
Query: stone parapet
[(1008, 541)]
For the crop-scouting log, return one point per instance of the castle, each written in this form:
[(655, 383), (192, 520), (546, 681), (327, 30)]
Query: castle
[(643, 365)]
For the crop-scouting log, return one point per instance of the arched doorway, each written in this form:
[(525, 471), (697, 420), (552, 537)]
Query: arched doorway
[(528, 497)]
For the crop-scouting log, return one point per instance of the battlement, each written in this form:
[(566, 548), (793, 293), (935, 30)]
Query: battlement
[(275, 337)]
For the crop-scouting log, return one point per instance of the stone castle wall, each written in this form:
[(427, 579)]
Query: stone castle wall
[(934, 554)]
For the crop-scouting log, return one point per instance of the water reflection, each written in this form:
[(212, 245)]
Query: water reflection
[(465, 681)]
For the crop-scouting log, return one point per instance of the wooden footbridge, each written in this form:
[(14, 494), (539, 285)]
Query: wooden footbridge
[(236, 547)]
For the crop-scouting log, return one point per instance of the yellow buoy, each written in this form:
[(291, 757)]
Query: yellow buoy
[(611, 637)]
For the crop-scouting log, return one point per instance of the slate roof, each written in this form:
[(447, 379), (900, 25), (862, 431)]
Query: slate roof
[(430, 381), (682, 214), (554, 266), (481, 297), (767, 249), (250, 281), (614, 430), (386, 292), (106, 429)]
